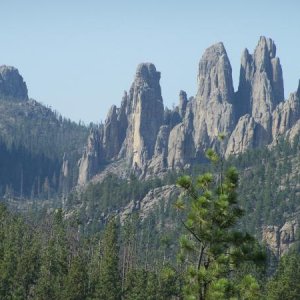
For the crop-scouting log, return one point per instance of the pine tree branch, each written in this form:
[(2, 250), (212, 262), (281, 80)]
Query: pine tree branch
[(191, 231)]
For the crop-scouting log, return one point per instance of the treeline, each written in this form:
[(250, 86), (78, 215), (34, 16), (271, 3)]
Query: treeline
[(40, 130)]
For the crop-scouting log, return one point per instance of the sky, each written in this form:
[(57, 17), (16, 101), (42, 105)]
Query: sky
[(78, 56)]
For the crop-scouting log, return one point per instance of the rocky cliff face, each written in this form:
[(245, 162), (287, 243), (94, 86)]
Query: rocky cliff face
[(208, 114), (213, 111), (90, 162), (150, 202), (152, 139), (146, 114), (12, 85), (243, 136), (132, 132), (280, 239), (285, 115), (181, 147), (159, 160), (260, 91), (261, 82)]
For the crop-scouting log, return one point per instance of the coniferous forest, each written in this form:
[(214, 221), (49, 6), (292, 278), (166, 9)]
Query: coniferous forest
[(206, 253)]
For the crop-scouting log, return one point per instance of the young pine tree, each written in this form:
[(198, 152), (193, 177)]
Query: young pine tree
[(213, 249)]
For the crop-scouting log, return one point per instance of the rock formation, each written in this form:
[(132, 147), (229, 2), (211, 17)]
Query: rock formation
[(90, 162), (260, 91), (182, 103), (159, 160), (153, 139), (208, 114), (12, 85), (285, 115), (64, 177), (150, 202), (291, 134), (280, 239), (145, 116), (213, 110), (261, 82), (181, 147), (243, 136), (131, 131)]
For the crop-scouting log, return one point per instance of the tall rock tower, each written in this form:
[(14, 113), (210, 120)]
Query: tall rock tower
[(259, 93), (261, 83), (145, 116)]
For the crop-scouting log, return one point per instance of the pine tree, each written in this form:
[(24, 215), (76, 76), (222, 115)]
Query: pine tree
[(136, 286), (285, 284), (213, 249), (75, 287), (54, 262), (19, 257), (109, 284)]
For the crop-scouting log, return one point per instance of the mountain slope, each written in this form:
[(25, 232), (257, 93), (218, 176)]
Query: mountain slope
[(36, 141)]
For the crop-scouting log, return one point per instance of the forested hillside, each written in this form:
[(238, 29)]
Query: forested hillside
[(52, 256), (268, 188), (39, 129), (35, 142)]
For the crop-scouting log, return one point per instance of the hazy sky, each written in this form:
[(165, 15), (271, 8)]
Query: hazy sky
[(79, 56)]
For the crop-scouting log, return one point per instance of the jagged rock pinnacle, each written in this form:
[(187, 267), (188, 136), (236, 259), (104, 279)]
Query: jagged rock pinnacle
[(12, 85), (151, 138), (215, 74)]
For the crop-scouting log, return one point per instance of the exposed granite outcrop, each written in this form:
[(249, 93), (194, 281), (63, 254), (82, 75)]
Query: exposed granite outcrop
[(90, 162), (260, 95), (12, 85), (261, 84), (280, 239), (243, 136), (181, 147), (64, 179), (153, 139), (113, 133), (147, 205), (291, 134), (285, 115), (131, 131), (182, 103), (212, 107), (65, 167), (146, 115), (159, 162), (208, 114)]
